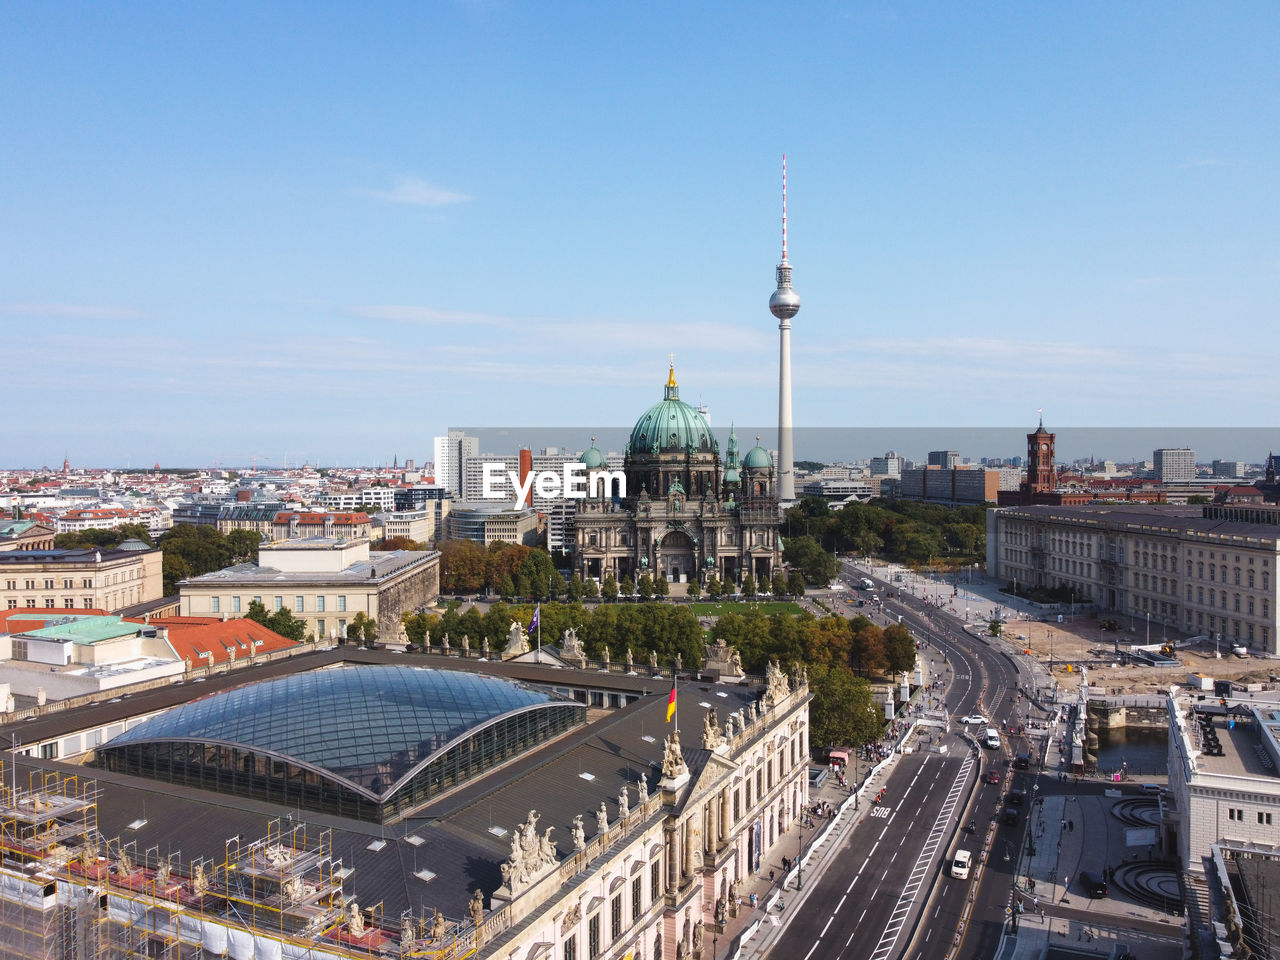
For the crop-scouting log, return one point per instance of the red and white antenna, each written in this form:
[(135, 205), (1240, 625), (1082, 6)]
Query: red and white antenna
[(784, 208)]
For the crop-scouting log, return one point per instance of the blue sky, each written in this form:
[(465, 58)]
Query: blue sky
[(329, 231)]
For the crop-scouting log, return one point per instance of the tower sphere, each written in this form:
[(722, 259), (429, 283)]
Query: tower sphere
[(784, 303)]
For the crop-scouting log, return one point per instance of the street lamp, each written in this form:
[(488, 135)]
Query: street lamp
[(800, 851)]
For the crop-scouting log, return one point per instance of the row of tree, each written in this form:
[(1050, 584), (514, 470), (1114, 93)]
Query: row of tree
[(841, 655), (904, 531)]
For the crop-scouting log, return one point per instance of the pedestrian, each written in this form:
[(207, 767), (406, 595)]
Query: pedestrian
[(771, 876), (1035, 903), (1071, 826)]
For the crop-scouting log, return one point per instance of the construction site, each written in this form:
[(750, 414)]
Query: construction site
[(69, 893)]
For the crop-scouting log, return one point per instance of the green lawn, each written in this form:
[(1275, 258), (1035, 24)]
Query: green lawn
[(768, 606)]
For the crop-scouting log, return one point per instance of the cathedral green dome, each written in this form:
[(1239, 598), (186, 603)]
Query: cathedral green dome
[(671, 425), (593, 459), (731, 476), (757, 458)]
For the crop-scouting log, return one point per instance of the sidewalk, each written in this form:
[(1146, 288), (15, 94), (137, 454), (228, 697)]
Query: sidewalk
[(753, 931)]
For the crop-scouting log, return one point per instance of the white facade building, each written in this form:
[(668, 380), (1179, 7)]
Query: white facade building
[(1171, 564), (1174, 464)]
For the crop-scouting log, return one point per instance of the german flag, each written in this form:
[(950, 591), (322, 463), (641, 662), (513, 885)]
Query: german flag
[(671, 701)]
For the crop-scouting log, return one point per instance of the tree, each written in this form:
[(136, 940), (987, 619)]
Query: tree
[(899, 649), (575, 589), (258, 613), (398, 543), (358, 628), (994, 627), (370, 631), (507, 587), (842, 711), (713, 587), (661, 587), (645, 587), (748, 586), (795, 583), (610, 589), (817, 565), (778, 585), (286, 624), (627, 588), (243, 545), (694, 589), (591, 589), (173, 569)]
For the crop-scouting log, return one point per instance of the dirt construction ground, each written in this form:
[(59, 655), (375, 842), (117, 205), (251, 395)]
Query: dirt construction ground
[(1081, 641)]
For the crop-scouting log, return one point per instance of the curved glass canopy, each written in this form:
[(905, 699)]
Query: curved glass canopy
[(367, 741)]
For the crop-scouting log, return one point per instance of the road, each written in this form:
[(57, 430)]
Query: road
[(867, 903)]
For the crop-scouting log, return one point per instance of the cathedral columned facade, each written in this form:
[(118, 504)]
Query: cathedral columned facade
[(688, 514)]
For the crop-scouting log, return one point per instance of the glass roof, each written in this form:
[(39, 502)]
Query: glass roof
[(367, 725)]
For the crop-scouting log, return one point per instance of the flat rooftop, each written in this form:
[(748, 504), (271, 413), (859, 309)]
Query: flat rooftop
[(1168, 518)]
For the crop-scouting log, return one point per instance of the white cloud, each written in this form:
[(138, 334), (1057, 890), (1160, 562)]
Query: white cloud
[(418, 193), (70, 311)]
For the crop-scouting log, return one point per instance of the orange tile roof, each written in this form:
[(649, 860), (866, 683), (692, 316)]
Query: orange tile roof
[(218, 639)]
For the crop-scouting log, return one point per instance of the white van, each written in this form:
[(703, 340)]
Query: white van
[(867, 584), (991, 739), (960, 864)]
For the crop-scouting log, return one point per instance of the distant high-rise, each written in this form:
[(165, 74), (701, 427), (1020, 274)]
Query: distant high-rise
[(785, 304), (451, 452), (946, 459), (1174, 464)]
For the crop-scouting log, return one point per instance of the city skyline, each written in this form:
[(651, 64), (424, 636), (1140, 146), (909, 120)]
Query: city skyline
[(237, 232)]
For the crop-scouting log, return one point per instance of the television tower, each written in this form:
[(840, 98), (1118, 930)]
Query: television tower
[(785, 304)]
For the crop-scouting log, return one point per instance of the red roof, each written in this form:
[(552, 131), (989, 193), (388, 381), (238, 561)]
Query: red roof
[(223, 641)]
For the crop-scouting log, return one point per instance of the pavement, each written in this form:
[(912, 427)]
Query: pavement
[(753, 932)]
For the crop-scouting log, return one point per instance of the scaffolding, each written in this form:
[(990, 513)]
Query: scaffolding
[(68, 893)]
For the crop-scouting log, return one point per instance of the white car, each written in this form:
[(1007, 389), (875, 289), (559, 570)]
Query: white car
[(976, 718)]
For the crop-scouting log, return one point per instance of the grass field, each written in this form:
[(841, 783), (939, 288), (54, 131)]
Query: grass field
[(768, 606)]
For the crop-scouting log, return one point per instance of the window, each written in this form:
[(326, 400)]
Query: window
[(87, 602), (319, 629), (279, 602), (593, 937), (19, 649), (13, 604), (67, 583), (636, 890), (49, 751), (655, 880), (342, 628), (342, 604), (1235, 813), (68, 602), (215, 604), (235, 604), (87, 583), (615, 917), (319, 604), (1264, 818), (48, 603), (298, 604), (571, 947)]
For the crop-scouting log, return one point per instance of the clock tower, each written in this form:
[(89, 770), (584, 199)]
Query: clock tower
[(1040, 476)]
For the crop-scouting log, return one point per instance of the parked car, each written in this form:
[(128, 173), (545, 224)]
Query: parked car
[(1016, 797), (1094, 884), (1010, 817)]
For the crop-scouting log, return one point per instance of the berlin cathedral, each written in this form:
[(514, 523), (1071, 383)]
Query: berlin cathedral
[(688, 514)]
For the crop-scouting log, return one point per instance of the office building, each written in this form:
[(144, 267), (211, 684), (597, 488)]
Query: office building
[(451, 452), (945, 459), (1174, 464)]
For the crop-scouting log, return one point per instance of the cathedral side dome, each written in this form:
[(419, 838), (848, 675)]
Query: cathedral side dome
[(671, 425), (593, 459), (757, 458)]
